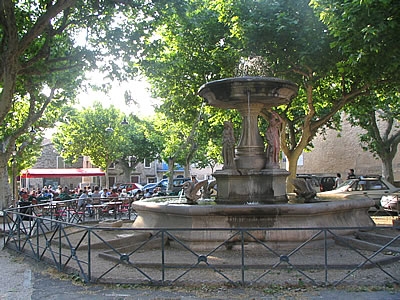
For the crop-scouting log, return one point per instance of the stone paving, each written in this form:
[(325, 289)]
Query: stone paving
[(24, 278)]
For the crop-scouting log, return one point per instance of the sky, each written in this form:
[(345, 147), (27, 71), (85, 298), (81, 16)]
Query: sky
[(139, 91)]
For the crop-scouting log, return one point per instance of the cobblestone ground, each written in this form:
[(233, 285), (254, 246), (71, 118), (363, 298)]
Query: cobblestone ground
[(23, 278), (27, 279)]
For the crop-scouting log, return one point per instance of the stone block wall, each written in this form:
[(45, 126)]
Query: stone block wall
[(339, 151)]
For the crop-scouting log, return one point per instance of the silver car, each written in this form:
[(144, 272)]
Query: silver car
[(372, 187)]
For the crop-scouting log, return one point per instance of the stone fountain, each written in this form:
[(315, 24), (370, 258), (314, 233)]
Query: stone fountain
[(251, 178), (251, 185)]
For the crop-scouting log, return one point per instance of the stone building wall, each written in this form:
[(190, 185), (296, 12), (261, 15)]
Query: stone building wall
[(50, 160), (340, 151)]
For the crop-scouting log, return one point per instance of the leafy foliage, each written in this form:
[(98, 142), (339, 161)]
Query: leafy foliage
[(378, 114), (97, 132), (365, 33), (195, 41), (46, 48)]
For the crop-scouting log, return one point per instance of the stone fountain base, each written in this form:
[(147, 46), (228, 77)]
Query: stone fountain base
[(349, 213), (267, 186)]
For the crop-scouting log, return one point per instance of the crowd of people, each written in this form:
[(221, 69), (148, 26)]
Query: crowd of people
[(47, 193), (85, 197)]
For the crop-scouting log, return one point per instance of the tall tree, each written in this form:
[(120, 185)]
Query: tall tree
[(186, 49), (379, 115), (289, 41), (45, 48), (365, 32), (285, 39)]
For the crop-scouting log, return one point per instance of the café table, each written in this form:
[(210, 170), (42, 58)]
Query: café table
[(115, 206)]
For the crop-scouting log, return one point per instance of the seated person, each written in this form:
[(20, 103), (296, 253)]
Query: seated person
[(104, 194), (23, 194), (147, 194), (123, 193), (33, 197), (83, 200), (65, 195), (138, 196), (157, 192), (114, 194)]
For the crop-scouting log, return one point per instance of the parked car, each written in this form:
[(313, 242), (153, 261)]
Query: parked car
[(177, 185), (391, 202), (374, 187), (130, 186), (326, 183), (150, 187)]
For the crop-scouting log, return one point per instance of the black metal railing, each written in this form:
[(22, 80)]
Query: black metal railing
[(166, 256)]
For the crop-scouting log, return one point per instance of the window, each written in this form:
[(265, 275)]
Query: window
[(147, 164), (111, 166), (135, 179), (60, 162), (151, 180), (376, 185), (111, 181), (131, 161)]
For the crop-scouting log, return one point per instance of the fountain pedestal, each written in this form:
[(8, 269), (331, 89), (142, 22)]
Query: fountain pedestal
[(266, 186)]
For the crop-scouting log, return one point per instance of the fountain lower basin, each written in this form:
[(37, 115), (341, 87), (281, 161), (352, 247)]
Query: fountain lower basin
[(327, 214)]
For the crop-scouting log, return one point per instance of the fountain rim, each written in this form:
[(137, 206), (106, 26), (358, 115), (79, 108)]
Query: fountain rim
[(258, 209), (246, 79)]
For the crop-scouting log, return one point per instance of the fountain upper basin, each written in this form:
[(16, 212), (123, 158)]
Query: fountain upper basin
[(231, 92)]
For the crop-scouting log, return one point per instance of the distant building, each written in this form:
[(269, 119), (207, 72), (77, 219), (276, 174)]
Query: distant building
[(143, 173), (338, 152)]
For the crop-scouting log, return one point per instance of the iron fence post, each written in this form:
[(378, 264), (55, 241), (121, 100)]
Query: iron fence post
[(242, 253), (89, 275)]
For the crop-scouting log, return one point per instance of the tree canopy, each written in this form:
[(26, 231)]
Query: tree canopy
[(208, 40), (336, 52), (106, 136), (46, 48), (379, 115), (365, 33)]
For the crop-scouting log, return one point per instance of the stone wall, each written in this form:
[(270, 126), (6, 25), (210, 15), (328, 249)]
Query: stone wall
[(49, 160), (340, 151)]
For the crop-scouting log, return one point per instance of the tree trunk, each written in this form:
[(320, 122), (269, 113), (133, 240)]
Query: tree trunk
[(292, 160), (5, 190), (126, 172), (107, 182), (387, 166), (171, 164)]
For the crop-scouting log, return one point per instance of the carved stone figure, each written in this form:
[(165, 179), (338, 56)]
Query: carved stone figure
[(192, 189), (304, 190), (273, 136), (228, 146), (209, 189)]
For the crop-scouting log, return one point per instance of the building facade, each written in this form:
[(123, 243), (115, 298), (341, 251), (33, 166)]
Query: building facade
[(337, 152), (144, 173)]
